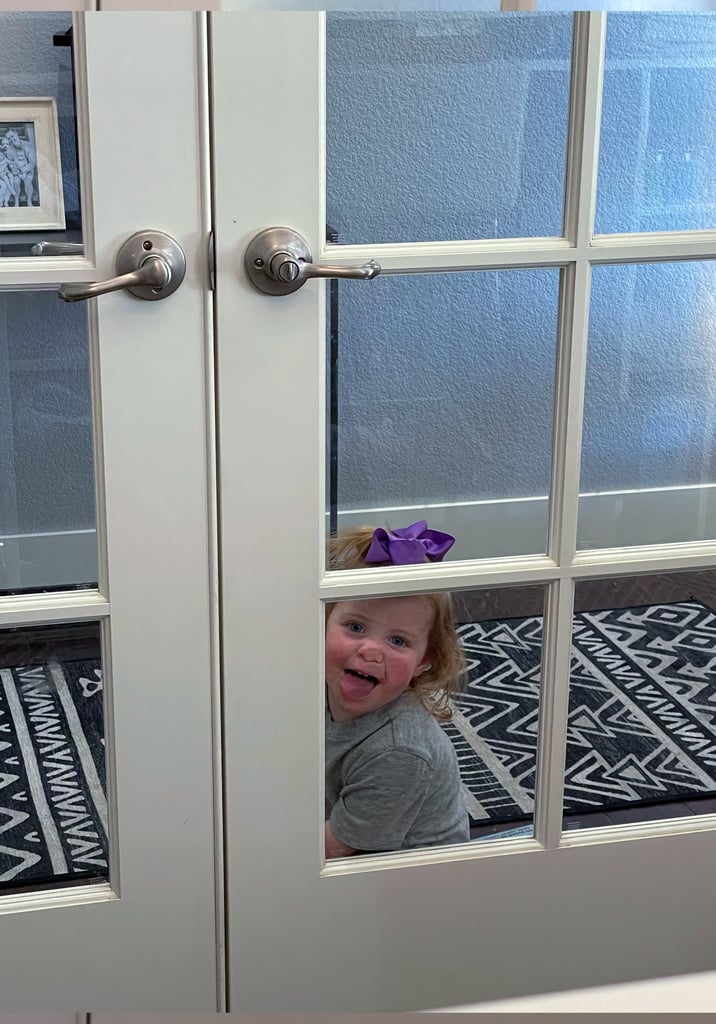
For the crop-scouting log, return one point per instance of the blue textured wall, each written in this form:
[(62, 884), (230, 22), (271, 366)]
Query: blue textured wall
[(445, 127), (46, 468), (31, 66), (46, 471), (626, 5), (446, 386), (650, 403)]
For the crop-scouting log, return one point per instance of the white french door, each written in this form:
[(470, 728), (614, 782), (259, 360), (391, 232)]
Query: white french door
[(570, 902), (107, 894)]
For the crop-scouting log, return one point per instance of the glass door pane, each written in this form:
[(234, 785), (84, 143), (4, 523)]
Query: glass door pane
[(53, 789), (641, 736), (468, 766), (47, 503), (445, 125), (648, 454), (497, 711), (39, 163), (441, 405), (655, 171)]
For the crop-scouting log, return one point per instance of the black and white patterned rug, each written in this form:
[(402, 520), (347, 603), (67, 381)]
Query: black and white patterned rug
[(642, 729), (53, 809), (642, 711)]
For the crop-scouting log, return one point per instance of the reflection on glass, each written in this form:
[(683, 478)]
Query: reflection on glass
[(53, 806), (443, 405), (47, 514), (39, 172), (432, 707), (641, 736), (648, 455), (656, 171), (446, 125)]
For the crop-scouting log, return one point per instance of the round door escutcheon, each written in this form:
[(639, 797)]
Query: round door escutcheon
[(143, 244), (271, 254)]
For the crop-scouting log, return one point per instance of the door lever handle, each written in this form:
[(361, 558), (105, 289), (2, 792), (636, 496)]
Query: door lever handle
[(364, 272), (150, 265), (278, 262), (153, 273), (58, 249)]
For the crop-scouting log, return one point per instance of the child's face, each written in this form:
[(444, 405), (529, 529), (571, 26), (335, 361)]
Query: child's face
[(374, 649)]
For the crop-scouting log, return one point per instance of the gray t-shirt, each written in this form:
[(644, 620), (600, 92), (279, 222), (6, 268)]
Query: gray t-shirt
[(392, 780)]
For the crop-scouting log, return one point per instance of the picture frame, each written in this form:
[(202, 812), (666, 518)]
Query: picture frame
[(31, 196)]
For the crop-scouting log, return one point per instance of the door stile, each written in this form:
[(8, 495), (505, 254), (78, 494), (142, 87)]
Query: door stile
[(213, 540), (553, 712), (589, 35), (588, 53)]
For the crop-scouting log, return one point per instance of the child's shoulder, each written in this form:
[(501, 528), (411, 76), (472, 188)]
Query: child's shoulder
[(414, 729)]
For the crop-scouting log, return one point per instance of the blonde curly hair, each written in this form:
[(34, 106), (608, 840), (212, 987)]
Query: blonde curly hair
[(435, 686)]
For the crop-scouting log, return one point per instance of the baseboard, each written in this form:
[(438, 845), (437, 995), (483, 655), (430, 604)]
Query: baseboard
[(497, 529), (484, 529)]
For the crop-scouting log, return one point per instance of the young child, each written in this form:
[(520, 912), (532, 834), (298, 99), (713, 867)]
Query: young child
[(392, 779)]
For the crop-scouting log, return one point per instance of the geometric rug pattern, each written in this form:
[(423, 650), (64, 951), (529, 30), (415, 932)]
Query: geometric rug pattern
[(641, 729), (642, 710), (53, 808)]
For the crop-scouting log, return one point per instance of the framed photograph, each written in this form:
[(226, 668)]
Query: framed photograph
[(30, 170)]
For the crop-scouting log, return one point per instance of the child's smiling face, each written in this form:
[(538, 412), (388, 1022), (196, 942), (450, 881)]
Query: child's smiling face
[(374, 649)]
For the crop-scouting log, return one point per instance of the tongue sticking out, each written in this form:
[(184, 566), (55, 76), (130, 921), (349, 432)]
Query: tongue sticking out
[(353, 687)]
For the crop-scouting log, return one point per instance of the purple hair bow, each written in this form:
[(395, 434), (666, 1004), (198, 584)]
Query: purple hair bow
[(410, 545)]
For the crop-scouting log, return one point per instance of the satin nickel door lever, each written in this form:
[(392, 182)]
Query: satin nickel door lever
[(278, 262), (150, 265), (58, 249)]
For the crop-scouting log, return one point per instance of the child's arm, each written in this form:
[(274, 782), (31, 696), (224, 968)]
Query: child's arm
[(334, 847)]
